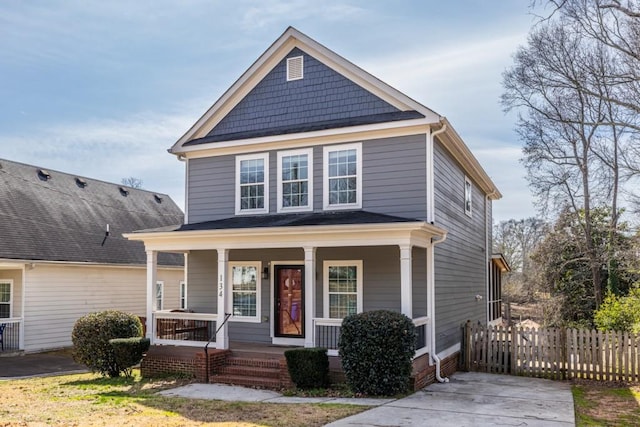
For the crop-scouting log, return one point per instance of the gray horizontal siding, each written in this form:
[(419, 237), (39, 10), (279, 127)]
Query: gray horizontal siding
[(393, 181), (202, 272), (460, 262)]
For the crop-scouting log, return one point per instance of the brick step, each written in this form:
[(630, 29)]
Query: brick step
[(252, 362), (246, 381), (249, 371)]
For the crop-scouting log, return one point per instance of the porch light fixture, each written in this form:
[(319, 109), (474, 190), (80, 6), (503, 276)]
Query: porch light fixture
[(265, 273)]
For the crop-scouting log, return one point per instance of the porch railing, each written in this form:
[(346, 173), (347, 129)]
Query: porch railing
[(11, 334), (327, 334), (188, 329)]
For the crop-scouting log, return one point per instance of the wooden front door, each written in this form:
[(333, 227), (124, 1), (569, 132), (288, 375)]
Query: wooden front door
[(289, 301)]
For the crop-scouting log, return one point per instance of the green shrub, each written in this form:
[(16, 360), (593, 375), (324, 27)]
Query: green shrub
[(91, 335), (619, 313), (128, 352), (308, 367), (377, 349)]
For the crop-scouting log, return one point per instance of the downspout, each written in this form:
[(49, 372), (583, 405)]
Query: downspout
[(431, 289)]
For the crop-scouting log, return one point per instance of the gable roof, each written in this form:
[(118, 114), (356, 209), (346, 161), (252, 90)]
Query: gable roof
[(290, 40), (47, 215), (385, 106)]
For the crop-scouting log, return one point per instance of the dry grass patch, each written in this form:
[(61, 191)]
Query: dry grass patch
[(606, 405), (91, 400)]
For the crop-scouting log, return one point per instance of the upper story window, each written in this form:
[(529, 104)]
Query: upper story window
[(343, 176), (468, 196), (6, 299), (252, 183), (295, 180)]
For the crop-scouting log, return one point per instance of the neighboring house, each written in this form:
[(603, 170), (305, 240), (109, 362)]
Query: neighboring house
[(315, 191), (63, 255)]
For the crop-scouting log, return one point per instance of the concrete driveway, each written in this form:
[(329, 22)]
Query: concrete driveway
[(38, 364), (476, 399)]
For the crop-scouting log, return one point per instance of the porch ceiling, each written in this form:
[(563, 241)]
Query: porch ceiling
[(273, 234)]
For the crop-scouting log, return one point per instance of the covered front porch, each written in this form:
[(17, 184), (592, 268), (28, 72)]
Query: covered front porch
[(12, 307), (292, 285)]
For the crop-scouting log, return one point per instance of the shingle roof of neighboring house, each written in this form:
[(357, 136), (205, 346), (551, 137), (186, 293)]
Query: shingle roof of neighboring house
[(47, 215), (295, 219)]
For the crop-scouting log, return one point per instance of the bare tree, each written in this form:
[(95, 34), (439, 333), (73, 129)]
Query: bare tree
[(132, 182)]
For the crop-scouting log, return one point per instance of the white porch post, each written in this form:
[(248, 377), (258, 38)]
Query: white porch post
[(222, 338), (406, 285), (309, 295), (152, 271)]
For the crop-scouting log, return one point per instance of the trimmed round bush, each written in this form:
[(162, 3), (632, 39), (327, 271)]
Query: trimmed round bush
[(129, 352), (377, 349), (91, 335)]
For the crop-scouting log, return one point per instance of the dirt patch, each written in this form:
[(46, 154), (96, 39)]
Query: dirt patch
[(606, 404)]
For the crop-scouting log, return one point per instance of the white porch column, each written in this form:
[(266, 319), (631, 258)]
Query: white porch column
[(152, 272), (222, 338), (309, 295), (406, 284)]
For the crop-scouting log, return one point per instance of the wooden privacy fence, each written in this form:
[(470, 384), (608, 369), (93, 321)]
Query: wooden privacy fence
[(552, 352)]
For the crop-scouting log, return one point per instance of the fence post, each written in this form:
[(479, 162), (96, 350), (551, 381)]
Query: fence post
[(467, 346)]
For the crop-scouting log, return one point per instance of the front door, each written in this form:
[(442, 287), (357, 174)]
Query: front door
[(289, 301)]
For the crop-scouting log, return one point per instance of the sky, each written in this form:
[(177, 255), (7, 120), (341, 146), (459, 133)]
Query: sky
[(103, 89)]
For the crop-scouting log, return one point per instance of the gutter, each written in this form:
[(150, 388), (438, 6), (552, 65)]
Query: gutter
[(432, 310)]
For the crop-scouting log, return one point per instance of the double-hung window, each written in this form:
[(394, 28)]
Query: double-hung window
[(6, 300), (295, 180), (468, 196), (245, 291), (159, 295), (343, 176), (252, 183), (342, 288)]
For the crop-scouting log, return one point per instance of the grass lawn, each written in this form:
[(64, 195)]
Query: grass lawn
[(606, 405), (90, 400)]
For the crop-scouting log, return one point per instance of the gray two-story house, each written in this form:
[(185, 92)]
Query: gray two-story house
[(315, 191)]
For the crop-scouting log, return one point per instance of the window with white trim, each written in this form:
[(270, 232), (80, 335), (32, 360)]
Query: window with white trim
[(159, 295), (6, 298), (252, 183), (245, 290), (468, 196), (295, 180), (183, 295), (342, 288), (342, 176)]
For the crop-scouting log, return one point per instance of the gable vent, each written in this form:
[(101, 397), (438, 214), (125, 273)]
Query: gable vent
[(44, 174), (124, 191), (157, 198), (81, 182), (295, 68)]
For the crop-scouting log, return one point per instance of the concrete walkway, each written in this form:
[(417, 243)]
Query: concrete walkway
[(469, 399), (475, 399)]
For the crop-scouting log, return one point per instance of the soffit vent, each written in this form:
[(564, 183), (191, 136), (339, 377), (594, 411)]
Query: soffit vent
[(81, 182), (295, 68), (124, 191), (44, 174)]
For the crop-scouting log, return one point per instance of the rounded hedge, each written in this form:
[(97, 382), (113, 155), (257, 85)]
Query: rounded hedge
[(91, 335), (377, 349)]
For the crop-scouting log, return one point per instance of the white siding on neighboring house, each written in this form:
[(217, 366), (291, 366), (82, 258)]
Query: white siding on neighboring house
[(57, 295)]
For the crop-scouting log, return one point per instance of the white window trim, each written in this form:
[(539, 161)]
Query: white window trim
[(468, 184), (265, 157), (325, 175), (295, 58), (325, 283), (186, 302), (309, 153), (10, 283), (155, 299), (247, 319)]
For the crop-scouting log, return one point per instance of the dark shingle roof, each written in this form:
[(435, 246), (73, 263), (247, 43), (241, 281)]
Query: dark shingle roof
[(296, 220), (64, 217)]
